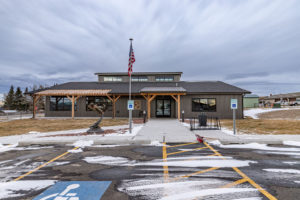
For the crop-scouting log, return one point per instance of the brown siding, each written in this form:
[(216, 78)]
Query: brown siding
[(222, 102)]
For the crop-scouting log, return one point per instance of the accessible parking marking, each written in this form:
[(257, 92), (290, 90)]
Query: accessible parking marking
[(75, 190), (244, 179)]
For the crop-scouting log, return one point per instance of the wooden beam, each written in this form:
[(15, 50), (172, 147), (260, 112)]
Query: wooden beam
[(149, 99), (114, 100), (109, 97), (174, 98), (178, 107), (73, 106)]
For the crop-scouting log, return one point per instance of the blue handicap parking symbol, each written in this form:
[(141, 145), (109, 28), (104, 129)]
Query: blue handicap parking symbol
[(75, 190)]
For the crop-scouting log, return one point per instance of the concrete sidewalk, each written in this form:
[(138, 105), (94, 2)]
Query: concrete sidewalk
[(171, 129)]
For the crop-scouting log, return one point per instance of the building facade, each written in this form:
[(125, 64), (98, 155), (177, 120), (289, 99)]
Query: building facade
[(159, 94)]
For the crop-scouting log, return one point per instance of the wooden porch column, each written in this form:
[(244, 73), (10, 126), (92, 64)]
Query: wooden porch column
[(114, 100), (149, 98), (73, 99), (178, 107)]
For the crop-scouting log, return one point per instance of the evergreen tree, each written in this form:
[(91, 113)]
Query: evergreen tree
[(19, 100), (9, 99)]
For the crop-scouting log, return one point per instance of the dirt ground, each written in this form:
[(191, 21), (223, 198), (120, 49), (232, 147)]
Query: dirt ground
[(17, 127), (265, 126), (281, 114)]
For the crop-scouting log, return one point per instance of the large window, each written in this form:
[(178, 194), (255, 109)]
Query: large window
[(98, 101), (139, 78), (204, 105), (112, 78), (164, 78), (61, 104)]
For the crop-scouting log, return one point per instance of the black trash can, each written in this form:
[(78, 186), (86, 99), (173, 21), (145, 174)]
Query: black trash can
[(202, 120)]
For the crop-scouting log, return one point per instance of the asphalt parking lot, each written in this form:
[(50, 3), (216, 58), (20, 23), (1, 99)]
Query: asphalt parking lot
[(174, 171)]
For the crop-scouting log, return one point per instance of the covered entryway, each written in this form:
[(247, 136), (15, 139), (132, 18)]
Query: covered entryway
[(162, 107)]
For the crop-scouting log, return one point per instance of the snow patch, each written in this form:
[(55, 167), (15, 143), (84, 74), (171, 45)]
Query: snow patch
[(291, 143), (292, 162), (4, 148), (12, 189), (206, 192), (79, 150), (156, 143), (198, 163), (289, 171), (83, 143), (253, 113), (107, 160)]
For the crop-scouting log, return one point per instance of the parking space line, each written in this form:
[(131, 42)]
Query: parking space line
[(240, 181), (253, 183), (195, 173), (43, 165), (186, 151), (166, 169), (179, 145)]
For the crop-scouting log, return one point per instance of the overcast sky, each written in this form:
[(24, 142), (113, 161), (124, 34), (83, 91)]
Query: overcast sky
[(252, 44)]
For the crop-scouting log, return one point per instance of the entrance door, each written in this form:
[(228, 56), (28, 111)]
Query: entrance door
[(163, 108)]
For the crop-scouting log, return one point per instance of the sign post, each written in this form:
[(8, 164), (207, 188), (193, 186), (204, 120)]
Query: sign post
[(233, 106)]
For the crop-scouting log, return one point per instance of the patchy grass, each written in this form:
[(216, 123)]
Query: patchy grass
[(17, 127), (265, 126), (281, 114)]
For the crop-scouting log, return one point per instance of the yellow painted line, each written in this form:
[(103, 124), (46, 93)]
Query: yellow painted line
[(243, 180), (258, 187), (43, 165), (179, 145), (186, 151), (166, 169), (195, 173)]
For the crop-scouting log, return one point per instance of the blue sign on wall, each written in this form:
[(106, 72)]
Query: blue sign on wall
[(75, 190)]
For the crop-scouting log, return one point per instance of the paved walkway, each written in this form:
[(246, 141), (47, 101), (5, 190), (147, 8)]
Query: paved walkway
[(171, 129)]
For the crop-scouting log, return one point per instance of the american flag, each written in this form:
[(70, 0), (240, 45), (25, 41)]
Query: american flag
[(131, 60)]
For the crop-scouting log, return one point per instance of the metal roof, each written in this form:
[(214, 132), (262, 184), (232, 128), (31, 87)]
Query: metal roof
[(251, 96), (202, 87), (68, 92), (162, 89)]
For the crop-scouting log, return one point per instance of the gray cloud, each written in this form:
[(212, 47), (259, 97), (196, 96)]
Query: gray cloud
[(246, 43)]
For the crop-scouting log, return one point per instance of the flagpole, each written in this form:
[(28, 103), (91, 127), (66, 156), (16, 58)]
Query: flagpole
[(130, 111)]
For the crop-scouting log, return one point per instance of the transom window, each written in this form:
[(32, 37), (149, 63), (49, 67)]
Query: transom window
[(61, 104), (139, 78), (112, 78), (164, 78), (204, 105), (98, 101)]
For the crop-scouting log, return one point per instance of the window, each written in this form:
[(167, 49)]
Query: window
[(112, 78), (204, 105), (139, 78), (98, 101), (164, 78), (61, 104)]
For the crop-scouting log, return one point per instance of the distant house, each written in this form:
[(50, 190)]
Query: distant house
[(285, 99), (160, 94), (251, 101)]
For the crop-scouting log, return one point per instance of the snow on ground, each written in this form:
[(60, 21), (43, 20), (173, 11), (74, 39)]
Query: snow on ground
[(289, 171), (83, 143), (199, 163), (15, 188), (206, 192), (9, 147), (79, 150), (292, 162), (255, 146), (297, 181), (253, 113), (291, 143), (107, 160), (282, 153)]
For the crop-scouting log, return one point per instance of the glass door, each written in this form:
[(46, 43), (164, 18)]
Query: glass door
[(163, 108)]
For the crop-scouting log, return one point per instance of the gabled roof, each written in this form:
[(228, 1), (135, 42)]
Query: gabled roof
[(203, 87)]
